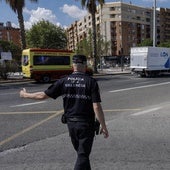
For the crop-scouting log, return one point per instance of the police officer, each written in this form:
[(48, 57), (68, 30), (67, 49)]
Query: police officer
[(81, 100)]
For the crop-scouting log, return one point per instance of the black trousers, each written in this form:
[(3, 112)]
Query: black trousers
[(82, 135)]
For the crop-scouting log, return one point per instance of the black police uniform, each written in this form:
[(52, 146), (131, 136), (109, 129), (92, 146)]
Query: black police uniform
[(79, 92)]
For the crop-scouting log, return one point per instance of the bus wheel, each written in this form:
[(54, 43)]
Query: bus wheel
[(46, 79)]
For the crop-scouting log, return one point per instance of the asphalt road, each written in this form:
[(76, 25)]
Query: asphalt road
[(137, 114)]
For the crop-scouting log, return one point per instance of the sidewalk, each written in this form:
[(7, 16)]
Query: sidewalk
[(14, 77), (112, 70)]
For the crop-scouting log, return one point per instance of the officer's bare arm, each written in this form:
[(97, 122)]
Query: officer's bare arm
[(100, 117), (36, 95)]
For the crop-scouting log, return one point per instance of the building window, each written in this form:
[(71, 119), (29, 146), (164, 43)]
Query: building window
[(138, 18), (143, 27), (133, 11), (112, 8), (118, 16), (148, 20), (112, 15), (148, 13), (117, 8)]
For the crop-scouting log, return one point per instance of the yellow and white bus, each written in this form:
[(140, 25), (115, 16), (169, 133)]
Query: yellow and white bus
[(44, 65)]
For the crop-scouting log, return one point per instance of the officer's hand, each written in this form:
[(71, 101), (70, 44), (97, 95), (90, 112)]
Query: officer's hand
[(22, 92), (105, 132)]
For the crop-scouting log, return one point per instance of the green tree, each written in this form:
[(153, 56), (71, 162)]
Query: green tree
[(165, 44), (17, 6), (46, 35), (149, 42), (102, 47), (146, 42), (14, 49), (10, 65), (85, 47), (91, 7)]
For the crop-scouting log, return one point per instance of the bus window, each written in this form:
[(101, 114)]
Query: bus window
[(25, 60), (51, 60)]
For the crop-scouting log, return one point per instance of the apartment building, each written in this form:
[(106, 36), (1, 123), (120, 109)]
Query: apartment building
[(164, 30), (124, 25), (8, 33), (79, 30)]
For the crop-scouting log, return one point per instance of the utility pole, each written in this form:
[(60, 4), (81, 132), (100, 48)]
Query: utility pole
[(154, 24)]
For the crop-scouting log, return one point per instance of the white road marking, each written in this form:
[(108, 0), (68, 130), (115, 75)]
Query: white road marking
[(30, 128), (120, 110), (145, 111), (52, 111), (29, 112), (139, 87), (4, 94), (28, 104)]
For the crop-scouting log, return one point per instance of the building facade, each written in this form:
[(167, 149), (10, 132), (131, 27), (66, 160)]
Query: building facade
[(8, 33), (124, 25), (163, 33)]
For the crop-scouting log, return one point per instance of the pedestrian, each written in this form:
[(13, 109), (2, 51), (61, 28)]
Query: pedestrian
[(81, 101)]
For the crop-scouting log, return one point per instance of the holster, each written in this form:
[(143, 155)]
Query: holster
[(63, 119), (97, 127)]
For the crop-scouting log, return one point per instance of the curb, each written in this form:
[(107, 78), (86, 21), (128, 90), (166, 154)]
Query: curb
[(111, 73), (15, 81)]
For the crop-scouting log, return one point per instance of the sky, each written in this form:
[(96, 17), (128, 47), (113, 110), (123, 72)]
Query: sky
[(59, 12)]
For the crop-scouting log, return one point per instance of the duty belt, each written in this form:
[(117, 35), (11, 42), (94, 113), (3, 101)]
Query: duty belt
[(76, 119)]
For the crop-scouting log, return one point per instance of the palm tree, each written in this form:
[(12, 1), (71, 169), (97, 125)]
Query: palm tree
[(17, 6), (91, 7)]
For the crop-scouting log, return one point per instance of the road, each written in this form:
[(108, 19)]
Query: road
[(137, 114)]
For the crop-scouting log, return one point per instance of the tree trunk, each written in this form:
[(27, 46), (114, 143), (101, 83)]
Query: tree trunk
[(22, 29)]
